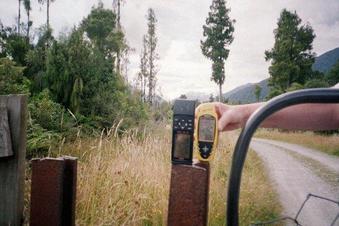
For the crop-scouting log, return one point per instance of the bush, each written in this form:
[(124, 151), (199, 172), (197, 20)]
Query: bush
[(12, 80), (48, 114), (39, 140), (48, 123)]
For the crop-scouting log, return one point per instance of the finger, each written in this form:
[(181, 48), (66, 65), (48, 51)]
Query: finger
[(232, 126), (224, 121), (218, 109)]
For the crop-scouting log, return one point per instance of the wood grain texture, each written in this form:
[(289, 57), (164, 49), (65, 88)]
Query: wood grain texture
[(5, 132), (12, 168)]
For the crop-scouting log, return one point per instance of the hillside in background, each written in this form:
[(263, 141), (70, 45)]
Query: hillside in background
[(324, 62), (245, 93)]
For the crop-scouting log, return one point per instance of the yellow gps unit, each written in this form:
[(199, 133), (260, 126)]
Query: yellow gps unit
[(206, 131)]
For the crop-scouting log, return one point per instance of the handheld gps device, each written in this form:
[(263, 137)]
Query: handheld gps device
[(183, 131), (206, 131)]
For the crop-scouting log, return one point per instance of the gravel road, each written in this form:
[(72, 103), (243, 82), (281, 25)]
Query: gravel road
[(296, 171)]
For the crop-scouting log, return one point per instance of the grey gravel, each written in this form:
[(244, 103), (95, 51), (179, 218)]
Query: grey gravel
[(293, 180)]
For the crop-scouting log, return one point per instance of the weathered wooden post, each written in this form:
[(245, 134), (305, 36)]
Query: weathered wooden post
[(188, 200), (53, 191), (13, 109)]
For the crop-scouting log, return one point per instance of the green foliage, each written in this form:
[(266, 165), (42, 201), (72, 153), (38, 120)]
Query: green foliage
[(316, 83), (219, 34), (40, 140), (257, 91), (12, 80), (48, 123), (13, 45), (73, 83), (100, 28), (333, 75), (163, 112), (294, 86), (46, 112), (291, 57), (36, 60), (274, 92), (67, 65)]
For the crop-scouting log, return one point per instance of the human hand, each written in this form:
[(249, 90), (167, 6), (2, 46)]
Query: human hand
[(230, 117)]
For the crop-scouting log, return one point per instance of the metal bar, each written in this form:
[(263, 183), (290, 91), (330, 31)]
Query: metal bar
[(239, 156), (188, 199), (47, 192), (53, 192), (69, 197)]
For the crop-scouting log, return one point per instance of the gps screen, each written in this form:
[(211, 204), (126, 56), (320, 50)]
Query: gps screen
[(206, 128), (182, 146)]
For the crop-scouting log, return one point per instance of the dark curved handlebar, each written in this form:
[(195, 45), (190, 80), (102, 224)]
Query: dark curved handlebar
[(323, 95)]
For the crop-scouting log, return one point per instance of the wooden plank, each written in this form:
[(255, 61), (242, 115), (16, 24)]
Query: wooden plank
[(12, 168), (5, 133), (188, 200)]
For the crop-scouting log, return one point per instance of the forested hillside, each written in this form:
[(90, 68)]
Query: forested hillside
[(325, 64), (326, 61)]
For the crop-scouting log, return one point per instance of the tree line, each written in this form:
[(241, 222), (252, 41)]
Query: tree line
[(75, 81), (291, 57)]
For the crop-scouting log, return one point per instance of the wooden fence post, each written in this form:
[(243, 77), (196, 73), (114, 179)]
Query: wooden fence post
[(188, 199), (13, 109), (53, 191)]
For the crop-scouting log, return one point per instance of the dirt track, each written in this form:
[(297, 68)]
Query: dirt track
[(295, 172)]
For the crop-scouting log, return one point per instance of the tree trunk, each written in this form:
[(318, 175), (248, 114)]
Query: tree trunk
[(119, 28), (28, 26), (144, 89), (220, 93), (47, 14), (19, 16), (150, 88), (118, 16), (150, 83), (118, 62)]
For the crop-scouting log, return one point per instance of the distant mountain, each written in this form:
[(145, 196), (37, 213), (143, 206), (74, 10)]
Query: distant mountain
[(324, 62), (245, 93)]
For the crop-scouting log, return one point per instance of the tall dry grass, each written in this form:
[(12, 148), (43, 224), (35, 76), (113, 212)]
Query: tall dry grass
[(327, 144), (125, 180), (122, 181), (258, 200)]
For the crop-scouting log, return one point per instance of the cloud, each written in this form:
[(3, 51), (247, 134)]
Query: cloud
[(182, 67)]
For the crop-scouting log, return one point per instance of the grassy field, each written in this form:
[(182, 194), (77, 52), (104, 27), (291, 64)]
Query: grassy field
[(327, 144), (125, 181)]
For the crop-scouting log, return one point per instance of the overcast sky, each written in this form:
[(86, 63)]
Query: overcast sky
[(182, 67)]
